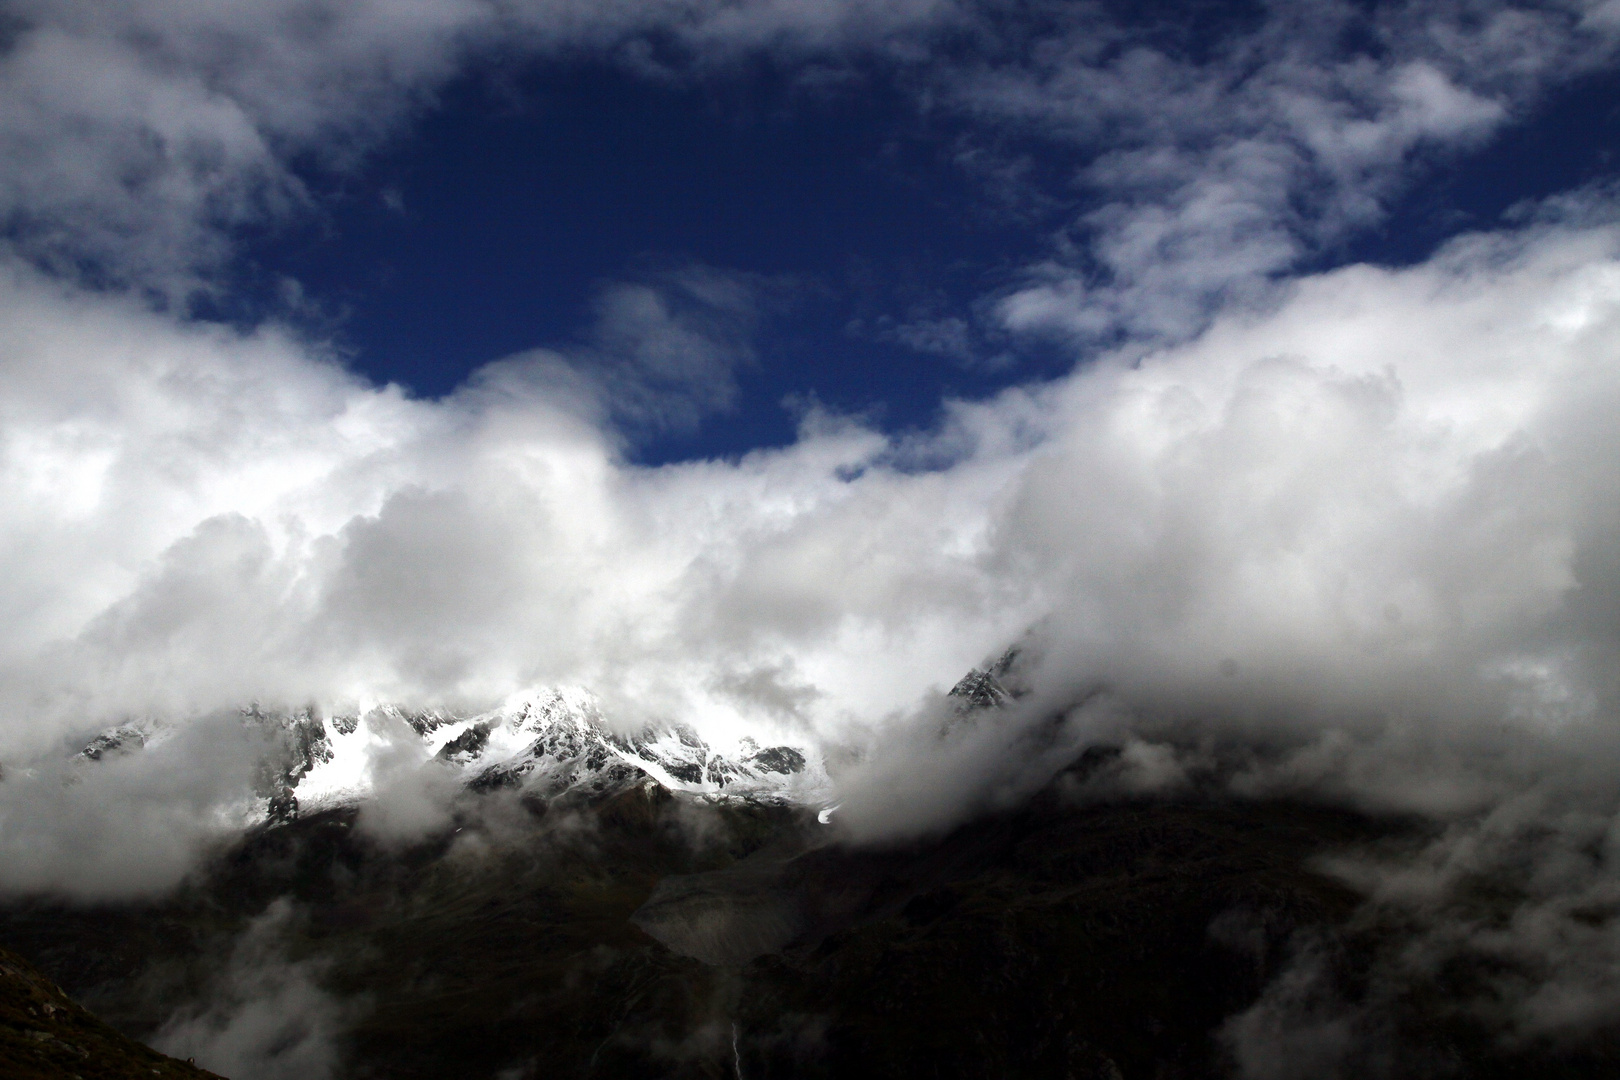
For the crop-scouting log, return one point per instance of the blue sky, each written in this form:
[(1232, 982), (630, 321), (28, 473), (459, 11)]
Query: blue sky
[(494, 224), (876, 229)]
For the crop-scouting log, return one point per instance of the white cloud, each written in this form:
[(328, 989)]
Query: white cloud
[(1211, 168), (1384, 497), (134, 137), (130, 824), (267, 1016)]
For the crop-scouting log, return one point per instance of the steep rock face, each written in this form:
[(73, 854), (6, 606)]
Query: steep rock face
[(298, 743), (548, 744), (124, 739), (554, 744), (979, 689), (994, 685)]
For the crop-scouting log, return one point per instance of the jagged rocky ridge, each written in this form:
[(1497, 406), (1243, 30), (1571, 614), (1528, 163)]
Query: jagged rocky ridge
[(989, 687), (548, 744)]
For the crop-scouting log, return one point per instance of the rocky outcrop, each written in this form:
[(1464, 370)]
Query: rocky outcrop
[(45, 1034), (547, 744)]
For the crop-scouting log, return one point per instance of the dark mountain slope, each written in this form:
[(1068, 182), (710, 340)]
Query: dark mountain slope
[(646, 935), (45, 1035)]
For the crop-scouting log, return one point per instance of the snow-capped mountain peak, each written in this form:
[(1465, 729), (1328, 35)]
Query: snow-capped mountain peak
[(549, 743)]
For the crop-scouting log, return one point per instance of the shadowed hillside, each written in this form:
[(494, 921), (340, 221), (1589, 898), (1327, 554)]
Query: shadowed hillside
[(45, 1035), (647, 935)]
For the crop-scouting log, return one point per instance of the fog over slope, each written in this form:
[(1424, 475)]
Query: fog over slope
[(1352, 533)]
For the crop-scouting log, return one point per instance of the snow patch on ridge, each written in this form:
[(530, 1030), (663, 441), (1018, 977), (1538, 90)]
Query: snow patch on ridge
[(550, 742)]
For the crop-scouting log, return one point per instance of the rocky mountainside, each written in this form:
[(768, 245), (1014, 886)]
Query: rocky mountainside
[(548, 744), (46, 1035), (604, 905), (642, 934)]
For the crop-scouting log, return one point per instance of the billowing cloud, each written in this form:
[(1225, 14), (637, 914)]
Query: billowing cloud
[(211, 518), (1382, 508), (1384, 497)]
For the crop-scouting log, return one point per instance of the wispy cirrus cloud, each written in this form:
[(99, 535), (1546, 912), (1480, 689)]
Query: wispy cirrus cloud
[(1205, 169)]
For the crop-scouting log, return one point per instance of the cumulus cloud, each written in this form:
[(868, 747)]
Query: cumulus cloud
[(1389, 490), (228, 518), (1374, 483), (1381, 510)]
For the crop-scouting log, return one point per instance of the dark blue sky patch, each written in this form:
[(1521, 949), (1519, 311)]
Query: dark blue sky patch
[(1571, 141), (870, 227), (494, 226)]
